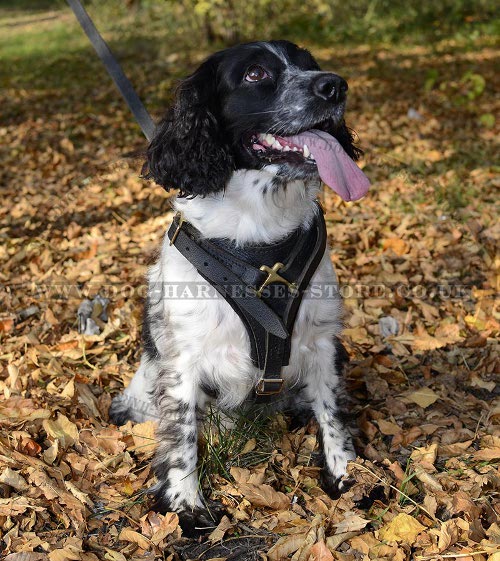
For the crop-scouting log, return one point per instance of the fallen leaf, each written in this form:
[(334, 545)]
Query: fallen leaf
[(423, 397), (425, 454), (487, 454), (351, 522), (26, 556), (129, 535), (427, 479), (264, 495), (402, 528), (249, 446), (144, 438), (449, 533), (7, 324), (50, 454), (388, 427), (61, 429), (320, 552), (111, 555), (285, 546), (219, 532), (333, 542), (17, 505), (400, 247), (13, 479)]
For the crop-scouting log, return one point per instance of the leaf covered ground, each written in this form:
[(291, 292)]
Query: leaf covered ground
[(417, 260)]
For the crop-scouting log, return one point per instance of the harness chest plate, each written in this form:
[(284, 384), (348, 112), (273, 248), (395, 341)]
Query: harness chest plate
[(263, 283)]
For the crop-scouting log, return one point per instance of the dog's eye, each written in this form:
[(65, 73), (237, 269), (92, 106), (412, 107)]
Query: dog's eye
[(256, 74)]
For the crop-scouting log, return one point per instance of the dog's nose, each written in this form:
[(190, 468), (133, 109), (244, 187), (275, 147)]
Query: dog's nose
[(330, 87)]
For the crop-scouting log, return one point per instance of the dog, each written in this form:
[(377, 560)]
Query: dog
[(251, 135)]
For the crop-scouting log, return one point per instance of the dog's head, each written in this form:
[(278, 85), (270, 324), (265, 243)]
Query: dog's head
[(254, 106)]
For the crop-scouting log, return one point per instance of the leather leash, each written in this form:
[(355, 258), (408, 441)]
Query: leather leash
[(114, 70)]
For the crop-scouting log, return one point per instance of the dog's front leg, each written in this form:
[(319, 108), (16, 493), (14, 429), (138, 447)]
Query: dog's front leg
[(180, 403), (324, 392)]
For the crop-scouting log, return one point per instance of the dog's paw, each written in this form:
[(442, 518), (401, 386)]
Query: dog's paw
[(194, 521), (198, 521), (335, 486)]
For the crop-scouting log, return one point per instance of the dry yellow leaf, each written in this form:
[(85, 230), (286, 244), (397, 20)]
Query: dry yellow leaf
[(487, 454), (333, 542), (285, 546), (82, 497), (64, 554), (364, 543), (221, 529), (387, 427), (21, 408), (447, 332), (111, 555), (61, 429), (144, 438), (402, 528), (13, 479), (50, 455), (400, 247), (17, 505), (72, 550), (264, 495), (425, 454), (249, 446), (168, 525), (129, 535), (26, 556), (423, 397), (427, 479), (351, 522), (69, 389), (449, 533)]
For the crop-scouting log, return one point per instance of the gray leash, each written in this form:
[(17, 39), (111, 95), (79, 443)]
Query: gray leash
[(114, 70)]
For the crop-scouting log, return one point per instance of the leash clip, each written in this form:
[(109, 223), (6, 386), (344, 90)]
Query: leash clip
[(180, 216)]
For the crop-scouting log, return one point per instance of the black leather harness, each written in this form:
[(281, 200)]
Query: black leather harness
[(264, 285)]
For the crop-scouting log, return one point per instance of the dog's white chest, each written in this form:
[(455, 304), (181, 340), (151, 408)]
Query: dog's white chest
[(211, 340)]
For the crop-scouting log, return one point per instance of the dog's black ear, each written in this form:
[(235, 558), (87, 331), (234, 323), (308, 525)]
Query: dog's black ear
[(347, 138), (188, 150)]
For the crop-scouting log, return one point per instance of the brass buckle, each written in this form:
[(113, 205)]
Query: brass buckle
[(272, 276), (259, 388), (180, 216)]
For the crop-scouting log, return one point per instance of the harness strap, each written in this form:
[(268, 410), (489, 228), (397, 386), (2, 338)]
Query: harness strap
[(187, 240), (269, 321)]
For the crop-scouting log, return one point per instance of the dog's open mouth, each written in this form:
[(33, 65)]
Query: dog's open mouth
[(276, 147), (315, 148)]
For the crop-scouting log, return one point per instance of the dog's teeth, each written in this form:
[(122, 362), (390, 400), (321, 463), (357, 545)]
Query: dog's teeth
[(276, 145), (286, 149), (295, 149), (270, 139), (306, 151)]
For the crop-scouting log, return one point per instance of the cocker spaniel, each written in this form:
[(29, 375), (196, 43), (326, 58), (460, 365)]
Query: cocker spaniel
[(238, 307)]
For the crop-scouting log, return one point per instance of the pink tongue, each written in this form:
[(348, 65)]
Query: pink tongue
[(335, 167)]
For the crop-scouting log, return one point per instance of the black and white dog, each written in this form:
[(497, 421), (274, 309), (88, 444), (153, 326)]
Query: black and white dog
[(250, 137)]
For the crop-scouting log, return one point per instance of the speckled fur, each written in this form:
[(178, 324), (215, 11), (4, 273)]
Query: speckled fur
[(196, 344), (196, 350)]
